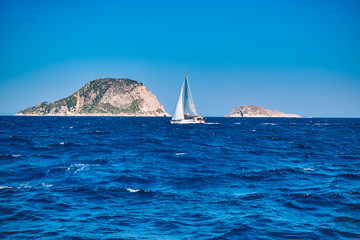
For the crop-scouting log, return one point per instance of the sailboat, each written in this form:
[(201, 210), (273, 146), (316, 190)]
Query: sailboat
[(185, 112)]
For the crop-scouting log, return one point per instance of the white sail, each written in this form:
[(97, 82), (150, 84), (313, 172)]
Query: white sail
[(189, 106), (179, 110)]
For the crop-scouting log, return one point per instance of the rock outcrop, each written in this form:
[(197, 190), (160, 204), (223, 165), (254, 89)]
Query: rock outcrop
[(255, 111), (103, 97)]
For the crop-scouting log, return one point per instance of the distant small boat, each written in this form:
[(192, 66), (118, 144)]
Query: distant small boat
[(185, 112)]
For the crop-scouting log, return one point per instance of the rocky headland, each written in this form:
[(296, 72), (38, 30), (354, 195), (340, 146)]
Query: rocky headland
[(255, 111), (103, 97)]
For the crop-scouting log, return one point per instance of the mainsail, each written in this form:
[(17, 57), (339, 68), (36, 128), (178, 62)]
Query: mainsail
[(189, 106), (185, 105), (179, 111)]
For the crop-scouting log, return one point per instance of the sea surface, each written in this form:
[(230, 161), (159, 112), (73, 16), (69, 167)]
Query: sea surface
[(143, 178)]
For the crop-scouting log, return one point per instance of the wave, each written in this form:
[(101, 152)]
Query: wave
[(27, 186), (18, 139), (270, 174), (299, 207), (349, 175), (253, 196), (132, 179), (138, 190), (99, 132), (349, 156), (10, 155), (346, 219), (62, 144), (272, 124), (46, 185), (241, 231), (77, 167), (308, 169), (337, 234)]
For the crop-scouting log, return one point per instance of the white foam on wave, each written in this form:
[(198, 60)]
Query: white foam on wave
[(13, 155), (46, 185), (272, 124), (25, 185), (133, 190), (77, 167), (178, 154), (237, 123), (211, 123), (308, 169), (137, 190), (21, 186)]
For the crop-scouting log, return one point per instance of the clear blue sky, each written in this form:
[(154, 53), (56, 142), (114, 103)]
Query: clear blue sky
[(293, 56)]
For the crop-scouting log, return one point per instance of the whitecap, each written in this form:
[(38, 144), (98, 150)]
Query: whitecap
[(133, 190), (212, 123), (5, 187), (81, 168), (10, 156), (308, 169), (237, 123), (46, 185), (25, 185), (177, 154), (137, 190), (272, 124), (77, 167)]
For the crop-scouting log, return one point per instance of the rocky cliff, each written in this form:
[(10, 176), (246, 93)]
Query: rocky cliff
[(255, 111), (103, 97)]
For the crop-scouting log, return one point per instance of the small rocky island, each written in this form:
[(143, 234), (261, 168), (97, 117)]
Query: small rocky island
[(103, 97), (255, 111)]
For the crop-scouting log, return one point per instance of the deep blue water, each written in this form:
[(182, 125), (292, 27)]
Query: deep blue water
[(143, 178)]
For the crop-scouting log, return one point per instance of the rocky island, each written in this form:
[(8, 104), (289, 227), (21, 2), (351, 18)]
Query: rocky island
[(255, 111), (103, 97)]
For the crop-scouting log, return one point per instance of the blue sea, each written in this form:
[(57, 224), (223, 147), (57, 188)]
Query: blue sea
[(143, 178)]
